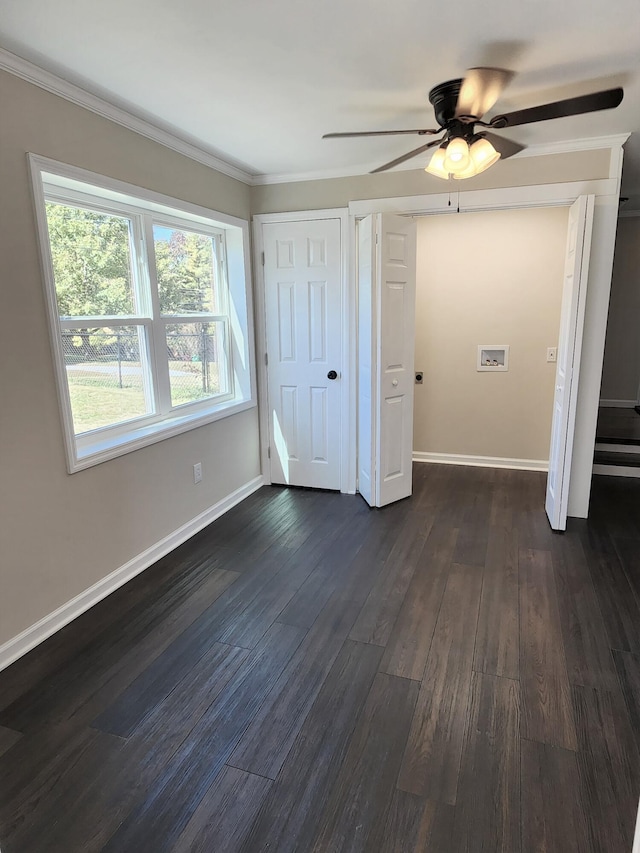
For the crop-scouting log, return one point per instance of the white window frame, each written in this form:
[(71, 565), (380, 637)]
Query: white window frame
[(67, 184)]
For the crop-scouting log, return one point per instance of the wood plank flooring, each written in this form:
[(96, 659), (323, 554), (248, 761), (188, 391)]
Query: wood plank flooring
[(307, 675)]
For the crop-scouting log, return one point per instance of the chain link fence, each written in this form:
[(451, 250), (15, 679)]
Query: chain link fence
[(111, 358)]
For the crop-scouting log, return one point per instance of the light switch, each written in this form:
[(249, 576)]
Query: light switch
[(552, 353)]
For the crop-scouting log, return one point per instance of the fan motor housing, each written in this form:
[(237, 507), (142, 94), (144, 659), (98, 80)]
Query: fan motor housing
[(444, 98)]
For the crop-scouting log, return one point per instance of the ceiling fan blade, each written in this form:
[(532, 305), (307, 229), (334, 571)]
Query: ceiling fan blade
[(505, 147), (420, 132), (559, 109), (404, 157), (480, 89)]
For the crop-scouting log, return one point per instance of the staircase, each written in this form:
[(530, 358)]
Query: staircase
[(617, 450)]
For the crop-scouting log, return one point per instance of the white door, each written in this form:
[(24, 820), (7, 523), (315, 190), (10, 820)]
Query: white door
[(569, 348), (303, 286), (386, 320)]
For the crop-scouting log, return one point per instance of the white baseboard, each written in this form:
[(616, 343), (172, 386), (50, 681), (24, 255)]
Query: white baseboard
[(616, 471), (37, 633), (618, 404), (482, 461)]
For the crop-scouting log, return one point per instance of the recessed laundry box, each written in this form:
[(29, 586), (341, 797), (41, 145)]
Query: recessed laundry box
[(493, 357)]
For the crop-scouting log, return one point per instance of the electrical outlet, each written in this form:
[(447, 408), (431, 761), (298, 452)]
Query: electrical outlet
[(197, 472), (552, 353)]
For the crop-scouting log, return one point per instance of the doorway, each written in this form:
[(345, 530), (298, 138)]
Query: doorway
[(488, 278)]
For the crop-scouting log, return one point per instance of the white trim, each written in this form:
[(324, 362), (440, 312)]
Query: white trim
[(618, 404), (353, 171), (481, 461), (616, 471), (613, 141), (261, 349), (124, 117), (538, 195), (301, 215), (348, 382), (84, 451), (64, 173), (347, 402), (569, 146), (617, 156), (37, 633), (111, 446), (636, 837)]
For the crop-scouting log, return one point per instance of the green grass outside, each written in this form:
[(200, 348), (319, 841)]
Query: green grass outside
[(98, 401)]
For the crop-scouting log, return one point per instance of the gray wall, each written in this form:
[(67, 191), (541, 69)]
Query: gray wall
[(62, 533), (621, 372)]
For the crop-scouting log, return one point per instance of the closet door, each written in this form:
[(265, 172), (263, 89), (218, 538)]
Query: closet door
[(303, 298), (574, 296), (387, 282)]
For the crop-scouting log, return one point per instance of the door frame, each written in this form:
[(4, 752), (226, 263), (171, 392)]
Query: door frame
[(347, 340), (606, 192)]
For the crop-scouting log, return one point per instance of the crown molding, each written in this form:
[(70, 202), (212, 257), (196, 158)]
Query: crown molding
[(357, 170), (69, 91), (32, 73), (568, 146)]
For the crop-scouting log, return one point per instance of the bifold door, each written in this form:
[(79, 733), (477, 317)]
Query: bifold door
[(386, 333), (568, 367)]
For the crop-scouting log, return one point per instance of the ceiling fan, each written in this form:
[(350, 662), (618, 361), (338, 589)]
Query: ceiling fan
[(459, 106)]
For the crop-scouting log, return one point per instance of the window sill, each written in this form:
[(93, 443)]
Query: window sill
[(103, 449)]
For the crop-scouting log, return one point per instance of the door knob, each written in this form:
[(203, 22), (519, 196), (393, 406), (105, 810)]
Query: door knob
[(332, 374)]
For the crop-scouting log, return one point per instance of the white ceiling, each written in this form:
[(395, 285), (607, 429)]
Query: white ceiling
[(257, 82)]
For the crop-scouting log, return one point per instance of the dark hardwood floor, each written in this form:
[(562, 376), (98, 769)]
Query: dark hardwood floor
[(310, 675)]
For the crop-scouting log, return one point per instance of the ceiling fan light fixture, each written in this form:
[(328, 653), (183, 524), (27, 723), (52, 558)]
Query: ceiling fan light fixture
[(457, 156), (483, 154), (436, 164), (469, 172)]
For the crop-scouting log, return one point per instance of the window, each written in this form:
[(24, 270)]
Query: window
[(149, 308)]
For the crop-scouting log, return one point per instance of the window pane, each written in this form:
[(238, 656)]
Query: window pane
[(107, 378), (91, 255), (197, 361), (186, 270)]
